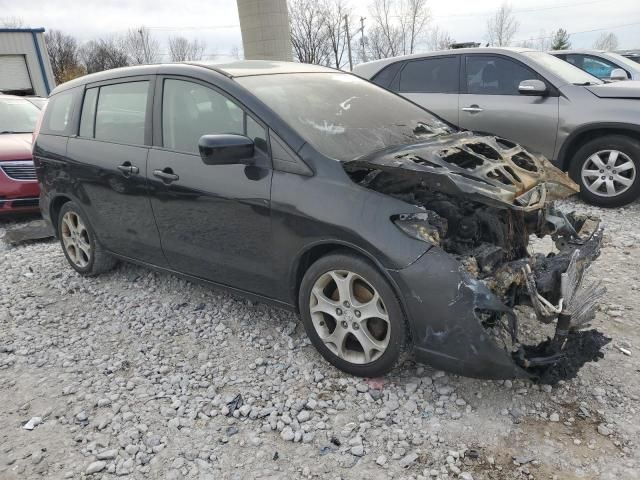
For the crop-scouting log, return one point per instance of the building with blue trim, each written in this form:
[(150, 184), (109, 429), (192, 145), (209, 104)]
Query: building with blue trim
[(24, 62)]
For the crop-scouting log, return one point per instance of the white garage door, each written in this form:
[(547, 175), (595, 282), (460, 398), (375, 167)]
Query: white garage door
[(13, 73)]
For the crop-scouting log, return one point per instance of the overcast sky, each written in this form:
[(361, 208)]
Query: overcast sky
[(216, 21)]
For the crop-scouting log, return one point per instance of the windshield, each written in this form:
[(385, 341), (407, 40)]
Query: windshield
[(17, 116), (341, 115), (562, 69)]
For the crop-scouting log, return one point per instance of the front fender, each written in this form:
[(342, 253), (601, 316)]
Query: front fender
[(442, 303)]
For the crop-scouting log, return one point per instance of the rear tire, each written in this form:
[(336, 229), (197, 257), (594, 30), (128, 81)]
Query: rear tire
[(80, 244), (352, 315), (608, 171)]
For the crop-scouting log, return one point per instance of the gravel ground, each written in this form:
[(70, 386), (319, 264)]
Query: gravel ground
[(143, 375)]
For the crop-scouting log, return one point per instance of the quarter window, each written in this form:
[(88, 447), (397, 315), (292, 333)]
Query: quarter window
[(190, 110), (386, 76), (495, 75), (256, 133), (59, 112), (88, 116), (121, 112), (431, 75)]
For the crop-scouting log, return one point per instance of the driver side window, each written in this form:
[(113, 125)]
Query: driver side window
[(190, 110)]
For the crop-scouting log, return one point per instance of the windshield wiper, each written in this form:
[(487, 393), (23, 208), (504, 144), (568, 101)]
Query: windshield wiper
[(586, 84), (11, 131)]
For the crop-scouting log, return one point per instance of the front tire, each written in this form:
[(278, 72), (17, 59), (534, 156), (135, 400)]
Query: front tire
[(608, 171), (79, 242), (352, 316)]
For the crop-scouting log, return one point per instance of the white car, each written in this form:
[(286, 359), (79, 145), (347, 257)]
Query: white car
[(604, 65)]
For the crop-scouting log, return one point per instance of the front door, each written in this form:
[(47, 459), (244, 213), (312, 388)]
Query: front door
[(108, 160), (214, 220), (491, 103)]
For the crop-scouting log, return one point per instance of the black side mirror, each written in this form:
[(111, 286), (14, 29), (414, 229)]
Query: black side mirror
[(532, 87), (226, 149)]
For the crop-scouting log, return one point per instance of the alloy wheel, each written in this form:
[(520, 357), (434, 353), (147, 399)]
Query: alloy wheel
[(349, 316), (608, 173), (75, 238)]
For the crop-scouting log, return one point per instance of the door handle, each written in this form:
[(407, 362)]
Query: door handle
[(128, 169), (166, 175), (473, 109)]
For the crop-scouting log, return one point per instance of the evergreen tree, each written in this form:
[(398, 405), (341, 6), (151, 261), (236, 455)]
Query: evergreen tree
[(561, 40)]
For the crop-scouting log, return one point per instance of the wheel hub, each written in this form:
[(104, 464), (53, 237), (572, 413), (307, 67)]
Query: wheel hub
[(75, 239), (608, 173), (349, 316)]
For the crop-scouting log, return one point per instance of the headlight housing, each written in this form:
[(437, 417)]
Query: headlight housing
[(425, 226)]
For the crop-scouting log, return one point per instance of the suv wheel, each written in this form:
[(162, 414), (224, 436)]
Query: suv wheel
[(352, 315), (608, 170), (79, 242)]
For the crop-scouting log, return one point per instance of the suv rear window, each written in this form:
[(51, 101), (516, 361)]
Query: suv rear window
[(430, 75), (121, 112)]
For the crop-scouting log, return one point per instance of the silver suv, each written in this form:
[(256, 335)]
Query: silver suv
[(586, 127)]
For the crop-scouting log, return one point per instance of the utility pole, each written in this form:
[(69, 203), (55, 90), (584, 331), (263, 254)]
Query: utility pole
[(346, 26), (364, 53), (144, 45)]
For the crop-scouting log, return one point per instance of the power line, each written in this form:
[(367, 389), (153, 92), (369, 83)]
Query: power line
[(524, 10), (582, 31), (213, 27)]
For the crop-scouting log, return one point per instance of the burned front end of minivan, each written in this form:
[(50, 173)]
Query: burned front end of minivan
[(477, 294)]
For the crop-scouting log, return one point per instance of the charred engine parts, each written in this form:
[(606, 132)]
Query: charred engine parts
[(481, 199)]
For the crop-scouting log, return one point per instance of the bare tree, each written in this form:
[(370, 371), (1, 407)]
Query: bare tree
[(413, 18), (236, 53), (385, 38), (336, 11), (11, 22), (103, 54), (541, 43), (439, 39), (398, 26), (141, 47), (502, 27), (606, 41), (309, 35), (63, 54), (183, 50)]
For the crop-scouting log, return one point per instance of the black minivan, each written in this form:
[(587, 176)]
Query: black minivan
[(388, 230)]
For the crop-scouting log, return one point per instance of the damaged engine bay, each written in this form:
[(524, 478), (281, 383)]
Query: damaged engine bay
[(481, 199)]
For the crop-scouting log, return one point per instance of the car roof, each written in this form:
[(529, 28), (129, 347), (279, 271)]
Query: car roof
[(261, 67), (231, 70), (579, 50), (368, 69)]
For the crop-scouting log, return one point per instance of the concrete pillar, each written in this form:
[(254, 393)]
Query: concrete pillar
[(265, 29)]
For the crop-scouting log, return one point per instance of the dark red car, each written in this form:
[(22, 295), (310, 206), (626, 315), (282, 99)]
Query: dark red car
[(19, 191)]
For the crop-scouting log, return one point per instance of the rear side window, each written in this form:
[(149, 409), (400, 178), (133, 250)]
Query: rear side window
[(491, 75), (121, 112), (88, 116), (430, 75), (58, 113)]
